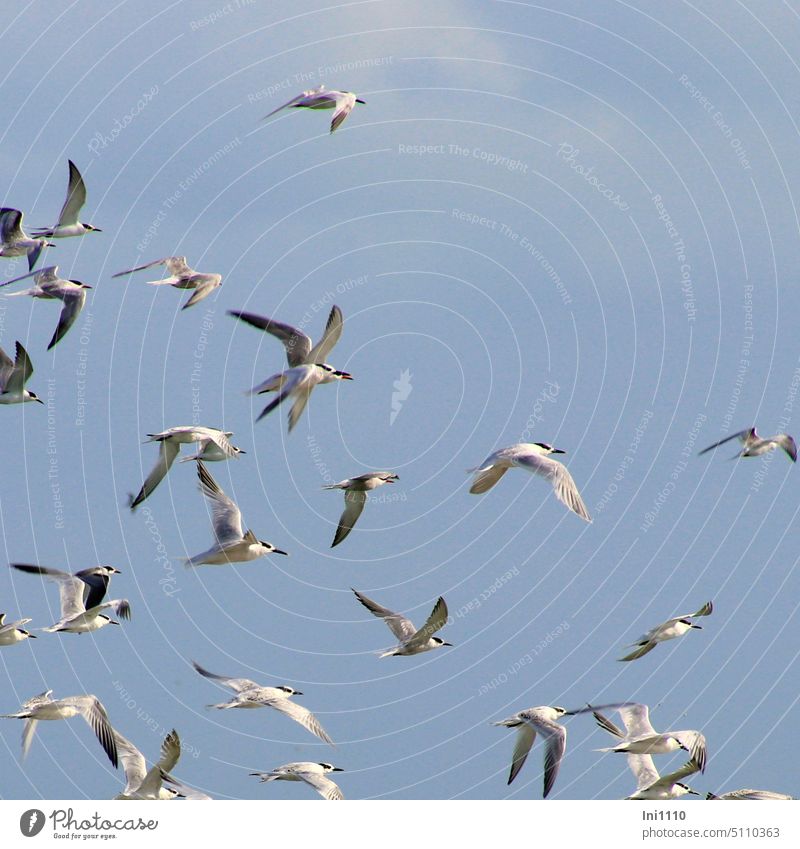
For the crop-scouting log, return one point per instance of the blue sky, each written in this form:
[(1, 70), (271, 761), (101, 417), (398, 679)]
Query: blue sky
[(575, 225)]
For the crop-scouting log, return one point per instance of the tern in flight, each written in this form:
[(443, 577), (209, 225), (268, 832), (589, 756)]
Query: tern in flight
[(14, 241), (314, 774), (543, 720), (535, 458), (181, 277), (49, 286), (81, 597), (212, 445), (252, 695), (322, 98), (640, 738), (669, 630), (42, 707), (754, 445), (14, 374), (13, 632), (412, 640), (232, 545), (307, 366), (68, 224), (355, 497)]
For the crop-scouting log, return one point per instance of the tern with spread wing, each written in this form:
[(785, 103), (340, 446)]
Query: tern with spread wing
[(14, 241), (81, 597), (314, 774), (307, 366), (49, 286), (669, 630), (640, 738), (42, 707), (181, 277), (68, 224), (754, 445), (252, 695), (534, 457), (322, 98), (543, 720), (13, 632), (412, 640), (14, 374), (355, 497), (232, 545), (149, 784), (212, 445)]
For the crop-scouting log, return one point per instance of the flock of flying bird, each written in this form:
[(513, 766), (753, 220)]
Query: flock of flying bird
[(82, 595)]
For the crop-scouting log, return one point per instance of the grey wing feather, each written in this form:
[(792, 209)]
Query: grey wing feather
[(10, 225), (354, 502), (226, 516), (302, 715), (71, 589), (436, 621), (644, 771), (556, 743), (299, 405), (238, 685), (401, 627), (333, 332), (23, 369), (324, 786), (526, 735), (73, 304), (167, 452), (486, 478), (563, 484), (285, 105), (141, 267), (76, 197), (639, 652), (740, 435), (297, 344)]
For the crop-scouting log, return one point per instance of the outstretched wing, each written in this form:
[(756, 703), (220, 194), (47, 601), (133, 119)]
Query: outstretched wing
[(333, 332), (226, 516), (167, 452), (73, 304), (354, 501), (401, 627), (238, 685), (437, 620), (297, 344)]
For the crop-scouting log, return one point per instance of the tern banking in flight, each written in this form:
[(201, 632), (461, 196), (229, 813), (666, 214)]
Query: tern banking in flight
[(232, 545), (754, 445), (252, 695), (181, 277), (212, 445), (14, 241), (68, 224), (669, 630), (535, 458), (81, 597), (314, 774), (640, 738), (49, 286), (412, 640), (43, 707), (355, 497), (322, 98), (14, 374), (306, 369)]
